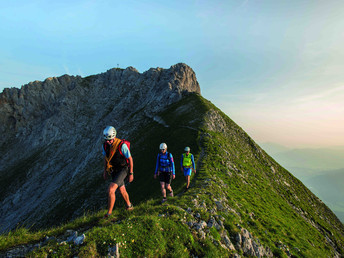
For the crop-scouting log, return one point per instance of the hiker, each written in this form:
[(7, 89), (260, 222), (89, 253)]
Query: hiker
[(118, 163), (165, 171), (187, 164)]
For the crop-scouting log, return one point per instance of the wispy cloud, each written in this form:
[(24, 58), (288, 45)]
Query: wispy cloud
[(66, 69), (322, 95)]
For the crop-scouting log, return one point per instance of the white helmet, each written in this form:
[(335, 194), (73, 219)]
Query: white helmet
[(163, 146), (187, 149), (109, 133)]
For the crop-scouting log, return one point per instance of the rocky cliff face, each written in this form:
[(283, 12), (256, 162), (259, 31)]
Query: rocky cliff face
[(51, 135)]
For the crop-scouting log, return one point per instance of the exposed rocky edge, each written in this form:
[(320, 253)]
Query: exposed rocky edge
[(242, 242), (51, 133)]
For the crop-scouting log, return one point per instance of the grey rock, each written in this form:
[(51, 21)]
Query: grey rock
[(219, 206), (201, 234), (72, 237), (228, 242), (249, 245), (80, 240), (113, 251), (190, 224), (199, 226), (213, 223), (238, 239)]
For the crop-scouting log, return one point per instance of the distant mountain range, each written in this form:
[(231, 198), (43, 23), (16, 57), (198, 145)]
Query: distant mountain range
[(318, 159), (329, 186), (320, 169)]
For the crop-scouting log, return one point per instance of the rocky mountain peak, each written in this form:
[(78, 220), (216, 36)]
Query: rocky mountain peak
[(37, 101)]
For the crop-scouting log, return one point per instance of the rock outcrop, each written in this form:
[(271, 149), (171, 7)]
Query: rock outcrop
[(51, 134)]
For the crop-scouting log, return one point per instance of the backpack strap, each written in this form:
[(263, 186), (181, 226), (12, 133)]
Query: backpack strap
[(168, 154), (113, 149), (120, 148)]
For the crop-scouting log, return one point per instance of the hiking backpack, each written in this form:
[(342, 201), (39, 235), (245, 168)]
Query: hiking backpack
[(119, 148)]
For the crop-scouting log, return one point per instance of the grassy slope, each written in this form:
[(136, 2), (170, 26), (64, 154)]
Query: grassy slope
[(234, 172)]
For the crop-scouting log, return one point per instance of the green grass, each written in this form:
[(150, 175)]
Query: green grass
[(149, 230)]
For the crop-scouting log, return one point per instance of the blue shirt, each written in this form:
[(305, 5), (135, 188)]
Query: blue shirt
[(164, 163)]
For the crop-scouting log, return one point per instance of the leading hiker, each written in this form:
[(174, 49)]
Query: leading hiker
[(118, 163), (187, 164), (165, 171)]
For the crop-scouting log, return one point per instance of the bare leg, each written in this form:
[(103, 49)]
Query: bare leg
[(163, 190), (187, 181), (111, 196), (125, 195), (168, 186)]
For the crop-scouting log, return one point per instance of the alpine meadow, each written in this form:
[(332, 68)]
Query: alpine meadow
[(53, 198)]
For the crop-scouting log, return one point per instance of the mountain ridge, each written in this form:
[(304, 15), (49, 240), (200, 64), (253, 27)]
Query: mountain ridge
[(242, 202)]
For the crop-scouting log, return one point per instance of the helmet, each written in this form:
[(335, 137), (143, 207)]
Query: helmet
[(187, 149), (163, 146), (109, 133)]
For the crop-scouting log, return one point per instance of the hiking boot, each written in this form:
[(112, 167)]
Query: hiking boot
[(107, 215), (171, 194), (130, 207), (163, 200)]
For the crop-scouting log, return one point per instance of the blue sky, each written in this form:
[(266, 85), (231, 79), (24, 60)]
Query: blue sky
[(275, 67)]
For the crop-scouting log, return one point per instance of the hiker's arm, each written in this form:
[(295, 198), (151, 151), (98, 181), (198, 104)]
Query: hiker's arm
[(131, 169), (173, 170), (105, 174), (193, 164), (181, 163), (156, 172)]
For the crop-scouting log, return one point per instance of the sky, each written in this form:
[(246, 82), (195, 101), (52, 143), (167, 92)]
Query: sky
[(274, 67)]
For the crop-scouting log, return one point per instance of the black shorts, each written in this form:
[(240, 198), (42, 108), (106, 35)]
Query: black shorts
[(119, 176), (165, 177)]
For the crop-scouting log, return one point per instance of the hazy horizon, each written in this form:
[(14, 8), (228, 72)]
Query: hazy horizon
[(273, 67), (333, 147)]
